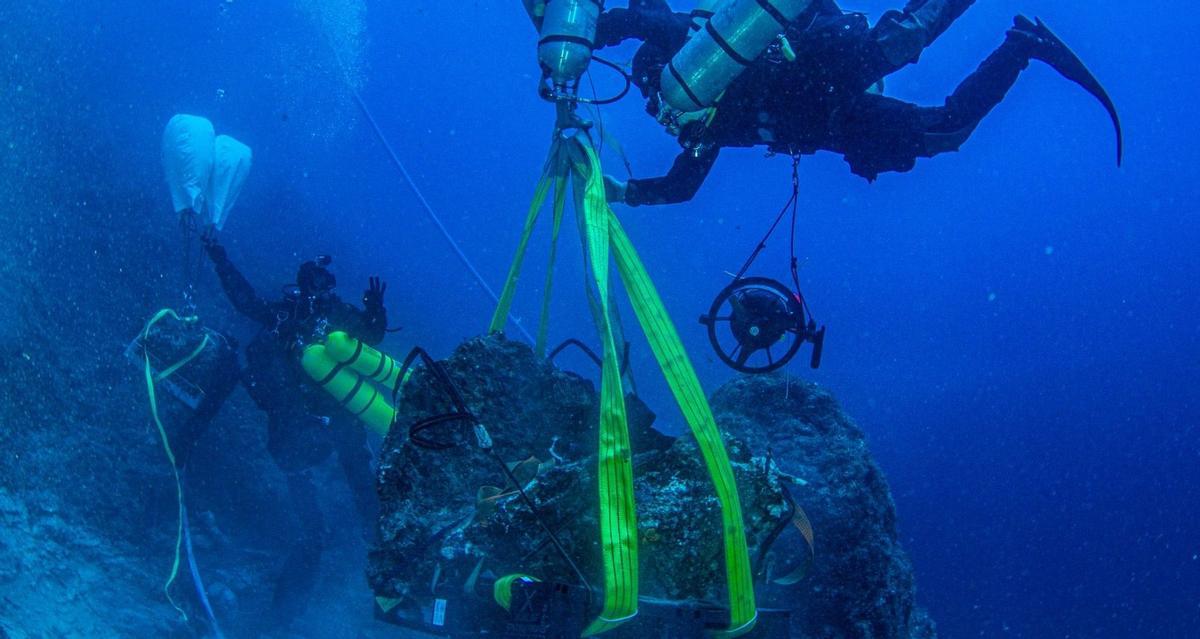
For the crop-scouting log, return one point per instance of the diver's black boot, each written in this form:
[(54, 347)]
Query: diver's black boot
[(646, 20), (935, 16), (976, 96), (1041, 44)]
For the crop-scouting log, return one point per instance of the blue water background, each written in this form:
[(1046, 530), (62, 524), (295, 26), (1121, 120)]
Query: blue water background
[(1015, 325)]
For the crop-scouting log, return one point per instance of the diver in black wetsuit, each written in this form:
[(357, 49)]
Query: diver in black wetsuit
[(304, 423), (828, 97)]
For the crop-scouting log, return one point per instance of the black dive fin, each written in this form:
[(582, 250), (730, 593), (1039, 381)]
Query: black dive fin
[(1057, 54)]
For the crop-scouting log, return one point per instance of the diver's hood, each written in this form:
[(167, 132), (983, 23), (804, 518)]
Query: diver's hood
[(648, 63), (314, 278)]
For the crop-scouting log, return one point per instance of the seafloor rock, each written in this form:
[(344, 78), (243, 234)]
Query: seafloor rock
[(446, 511), (448, 515), (57, 578), (861, 584)]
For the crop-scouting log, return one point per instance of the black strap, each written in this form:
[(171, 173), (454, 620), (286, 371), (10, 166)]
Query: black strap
[(550, 39), (383, 359), (725, 46), (795, 214), (358, 348), (374, 395), (332, 373), (774, 12), (583, 347), (353, 391), (684, 85)]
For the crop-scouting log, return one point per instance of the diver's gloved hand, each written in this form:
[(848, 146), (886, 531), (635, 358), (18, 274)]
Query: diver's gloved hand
[(373, 296), (615, 190), (215, 251)]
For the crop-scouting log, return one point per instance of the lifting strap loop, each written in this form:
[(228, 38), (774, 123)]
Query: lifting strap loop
[(685, 386), (502, 589), (618, 514), (604, 241)]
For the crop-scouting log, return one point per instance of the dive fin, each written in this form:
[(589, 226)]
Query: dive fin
[(1054, 52)]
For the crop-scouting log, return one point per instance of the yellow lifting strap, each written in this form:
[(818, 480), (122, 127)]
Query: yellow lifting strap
[(560, 194), (502, 589), (618, 513), (602, 237), (151, 380), (551, 177)]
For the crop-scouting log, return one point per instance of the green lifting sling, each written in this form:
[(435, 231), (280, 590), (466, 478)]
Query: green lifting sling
[(573, 159)]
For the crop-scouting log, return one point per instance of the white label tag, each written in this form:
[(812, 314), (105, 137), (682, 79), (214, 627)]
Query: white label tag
[(439, 612)]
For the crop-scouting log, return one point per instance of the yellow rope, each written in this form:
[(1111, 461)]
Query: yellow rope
[(151, 378)]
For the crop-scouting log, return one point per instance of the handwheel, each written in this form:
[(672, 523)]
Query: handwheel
[(757, 325)]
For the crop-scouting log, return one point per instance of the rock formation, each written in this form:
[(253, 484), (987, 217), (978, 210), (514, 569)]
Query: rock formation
[(449, 516)]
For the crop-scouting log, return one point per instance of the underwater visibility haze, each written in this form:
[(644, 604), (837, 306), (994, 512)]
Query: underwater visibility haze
[(1002, 438)]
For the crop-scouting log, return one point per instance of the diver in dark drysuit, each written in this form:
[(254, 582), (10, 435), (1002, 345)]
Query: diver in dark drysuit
[(828, 97), (304, 423)]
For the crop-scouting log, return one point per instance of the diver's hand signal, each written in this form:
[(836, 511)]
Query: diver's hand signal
[(373, 296)]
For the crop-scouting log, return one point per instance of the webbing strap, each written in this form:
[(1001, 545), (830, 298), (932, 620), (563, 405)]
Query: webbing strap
[(500, 317), (774, 12), (733, 53), (502, 589), (603, 238), (684, 85), (681, 378), (618, 513), (685, 386), (560, 195)]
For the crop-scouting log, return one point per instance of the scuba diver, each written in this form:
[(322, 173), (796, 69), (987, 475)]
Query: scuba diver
[(305, 424), (821, 90)]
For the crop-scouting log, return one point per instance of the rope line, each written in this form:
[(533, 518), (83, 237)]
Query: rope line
[(462, 256)]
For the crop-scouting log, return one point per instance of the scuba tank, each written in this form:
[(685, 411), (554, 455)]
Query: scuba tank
[(349, 370), (348, 387), (738, 32), (567, 37)]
